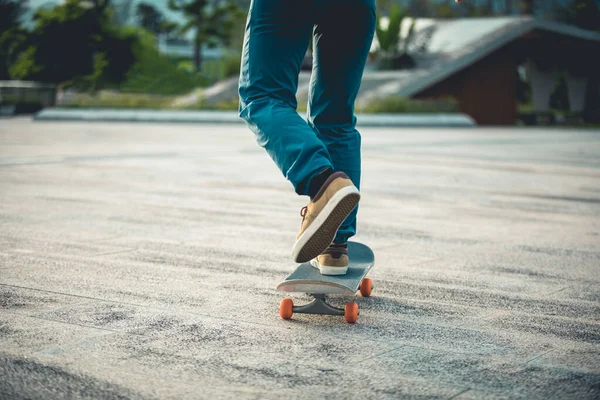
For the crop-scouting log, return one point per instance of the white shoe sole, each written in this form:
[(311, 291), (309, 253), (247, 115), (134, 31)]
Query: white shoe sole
[(321, 232), (326, 270)]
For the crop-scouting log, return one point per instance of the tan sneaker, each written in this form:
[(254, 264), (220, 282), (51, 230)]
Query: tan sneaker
[(333, 261), (323, 216)]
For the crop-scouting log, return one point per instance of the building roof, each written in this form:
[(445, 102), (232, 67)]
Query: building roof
[(441, 48)]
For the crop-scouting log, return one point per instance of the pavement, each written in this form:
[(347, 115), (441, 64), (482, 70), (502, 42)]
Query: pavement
[(232, 117), (140, 261)]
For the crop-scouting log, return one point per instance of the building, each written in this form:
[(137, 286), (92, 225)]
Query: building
[(476, 61)]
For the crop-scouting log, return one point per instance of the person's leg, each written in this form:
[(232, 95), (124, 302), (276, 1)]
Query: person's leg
[(277, 36), (340, 49)]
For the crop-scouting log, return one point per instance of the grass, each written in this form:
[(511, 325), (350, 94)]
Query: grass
[(119, 100), (146, 101), (156, 73), (397, 104), (225, 105), (107, 99)]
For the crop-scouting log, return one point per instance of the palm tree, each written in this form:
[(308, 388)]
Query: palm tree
[(211, 20)]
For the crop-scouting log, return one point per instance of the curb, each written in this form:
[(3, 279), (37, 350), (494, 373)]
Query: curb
[(231, 117)]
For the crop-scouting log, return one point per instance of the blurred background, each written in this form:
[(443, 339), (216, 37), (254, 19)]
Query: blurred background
[(503, 62)]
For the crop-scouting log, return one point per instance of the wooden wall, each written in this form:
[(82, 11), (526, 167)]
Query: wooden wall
[(485, 90)]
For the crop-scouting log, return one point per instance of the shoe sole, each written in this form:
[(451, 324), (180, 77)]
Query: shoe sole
[(326, 270), (319, 235)]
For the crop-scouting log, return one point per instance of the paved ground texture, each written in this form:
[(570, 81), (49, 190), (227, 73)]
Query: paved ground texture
[(140, 261)]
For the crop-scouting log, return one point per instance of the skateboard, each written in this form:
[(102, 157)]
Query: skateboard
[(308, 279)]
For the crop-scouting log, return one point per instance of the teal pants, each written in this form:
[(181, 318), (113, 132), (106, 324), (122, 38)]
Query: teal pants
[(278, 33)]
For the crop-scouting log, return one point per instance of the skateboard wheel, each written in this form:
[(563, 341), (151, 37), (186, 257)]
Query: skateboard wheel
[(366, 286), (286, 308), (351, 312)]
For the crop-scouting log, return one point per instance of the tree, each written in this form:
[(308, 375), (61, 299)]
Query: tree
[(12, 34), (211, 20), (149, 18), (96, 52), (11, 12)]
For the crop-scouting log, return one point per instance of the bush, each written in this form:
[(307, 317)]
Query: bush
[(74, 46), (118, 100), (223, 105), (231, 65), (156, 73), (397, 104)]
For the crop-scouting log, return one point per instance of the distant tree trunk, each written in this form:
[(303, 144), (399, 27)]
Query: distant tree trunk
[(198, 52)]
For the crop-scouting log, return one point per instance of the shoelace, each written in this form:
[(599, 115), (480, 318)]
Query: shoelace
[(303, 212)]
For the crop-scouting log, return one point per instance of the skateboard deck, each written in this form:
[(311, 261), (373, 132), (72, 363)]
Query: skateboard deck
[(308, 279)]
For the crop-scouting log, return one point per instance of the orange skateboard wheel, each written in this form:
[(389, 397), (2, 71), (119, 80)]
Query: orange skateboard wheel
[(351, 312), (286, 308), (366, 287)]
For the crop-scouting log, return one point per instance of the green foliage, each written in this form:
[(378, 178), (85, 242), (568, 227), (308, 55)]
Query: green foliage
[(397, 104), (155, 73), (74, 45), (392, 55), (186, 65), (226, 67), (149, 17), (10, 13), (389, 38), (100, 65), (211, 20), (68, 23), (231, 65), (119, 100), (117, 46), (132, 100), (12, 35), (25, 66), (223, 105), (12, 43)]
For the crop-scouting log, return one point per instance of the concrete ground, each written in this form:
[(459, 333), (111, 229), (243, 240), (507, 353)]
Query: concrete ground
[(140, 261)]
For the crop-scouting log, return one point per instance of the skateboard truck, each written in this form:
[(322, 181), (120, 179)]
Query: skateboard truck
[(318, 306)]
